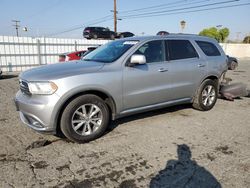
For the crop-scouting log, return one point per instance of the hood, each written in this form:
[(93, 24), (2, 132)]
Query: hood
[(61, 70)]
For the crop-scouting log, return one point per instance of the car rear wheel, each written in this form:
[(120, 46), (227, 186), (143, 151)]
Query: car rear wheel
[(112, 37), (85, 118), (206, 95), (233, 65)]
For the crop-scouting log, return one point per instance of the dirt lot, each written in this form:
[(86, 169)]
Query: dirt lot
[(174, 147)]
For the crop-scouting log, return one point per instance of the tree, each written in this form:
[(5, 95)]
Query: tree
[(219, 35), (246, 39), (224, 33)]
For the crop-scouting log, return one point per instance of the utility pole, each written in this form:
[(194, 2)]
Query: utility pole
[(115, 17), (16, 25)]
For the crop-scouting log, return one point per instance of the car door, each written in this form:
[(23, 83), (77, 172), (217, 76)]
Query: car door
[(149, 83), (187, 68)]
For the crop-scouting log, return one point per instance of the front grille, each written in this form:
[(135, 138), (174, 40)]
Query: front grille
[(24, 87)]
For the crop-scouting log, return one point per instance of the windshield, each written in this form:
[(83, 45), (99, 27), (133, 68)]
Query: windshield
[(110, 51)]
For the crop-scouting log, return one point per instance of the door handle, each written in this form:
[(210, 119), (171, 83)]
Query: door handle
[(162, 70), (201, 65)]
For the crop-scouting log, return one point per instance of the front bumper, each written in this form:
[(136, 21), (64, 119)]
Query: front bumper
[(36, 111)]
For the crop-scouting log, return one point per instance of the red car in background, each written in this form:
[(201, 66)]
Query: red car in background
[(77, 55), (71, 56)]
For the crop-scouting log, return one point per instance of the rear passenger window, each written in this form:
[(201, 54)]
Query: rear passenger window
[(180, 49), (208, 48)]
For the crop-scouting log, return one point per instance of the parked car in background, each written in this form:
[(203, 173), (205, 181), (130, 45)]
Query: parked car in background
[(98, 32), (232, 62), (162, 33), (71, 56), (120, 78), (90, 49), (75, 55), (124, 34)]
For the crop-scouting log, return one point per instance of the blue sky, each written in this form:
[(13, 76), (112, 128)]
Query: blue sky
[(48, 17)]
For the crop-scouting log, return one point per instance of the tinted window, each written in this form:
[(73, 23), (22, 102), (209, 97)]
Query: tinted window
[(208, 48), (180, 49), (153, 51)]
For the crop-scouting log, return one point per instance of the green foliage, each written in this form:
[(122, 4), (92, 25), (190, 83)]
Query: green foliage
[(218, 34), (224, 33), (246, 39)]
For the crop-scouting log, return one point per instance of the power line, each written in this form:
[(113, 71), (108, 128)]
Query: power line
[(178, 9), (175, 5), (191, 11), (97, 21), (106, 18), (43, 10), (152, 7), (157, 13), (16, 25)]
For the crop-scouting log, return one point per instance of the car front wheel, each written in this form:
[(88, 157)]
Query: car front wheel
[(85, 118), (206, 95)]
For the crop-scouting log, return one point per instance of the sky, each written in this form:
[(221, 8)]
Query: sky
[(53, 18)]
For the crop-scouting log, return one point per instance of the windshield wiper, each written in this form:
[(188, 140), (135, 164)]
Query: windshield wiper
[(87, 59), (97, 60)]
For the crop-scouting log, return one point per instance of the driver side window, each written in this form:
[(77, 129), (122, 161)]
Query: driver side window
[(153, 51)]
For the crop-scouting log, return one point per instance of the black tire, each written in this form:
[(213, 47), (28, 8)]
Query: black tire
[(69, 112), (198, 99), (233, 65)]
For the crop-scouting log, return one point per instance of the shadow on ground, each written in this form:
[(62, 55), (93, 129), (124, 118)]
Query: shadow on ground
[(8, 76), (116, 123), (184, 172)]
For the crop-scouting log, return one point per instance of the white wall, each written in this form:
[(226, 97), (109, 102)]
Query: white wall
[(237, 50), (21, 53)]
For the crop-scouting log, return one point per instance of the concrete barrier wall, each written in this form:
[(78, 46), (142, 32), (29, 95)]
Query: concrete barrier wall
[(237, 50)]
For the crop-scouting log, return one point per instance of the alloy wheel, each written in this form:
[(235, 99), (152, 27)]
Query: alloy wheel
[(87, 119), (208, 95)]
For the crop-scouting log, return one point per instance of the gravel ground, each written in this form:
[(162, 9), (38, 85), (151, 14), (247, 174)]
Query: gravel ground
[(174, 147)]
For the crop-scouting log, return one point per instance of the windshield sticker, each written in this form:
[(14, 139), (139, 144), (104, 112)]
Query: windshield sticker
[(131, 42)]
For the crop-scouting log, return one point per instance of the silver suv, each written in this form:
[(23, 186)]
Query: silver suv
[(120, 78)]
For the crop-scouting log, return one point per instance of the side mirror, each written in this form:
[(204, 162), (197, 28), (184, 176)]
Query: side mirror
[(138, 59)]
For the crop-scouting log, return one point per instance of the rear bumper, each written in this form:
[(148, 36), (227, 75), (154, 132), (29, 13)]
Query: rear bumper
[(36, 111)]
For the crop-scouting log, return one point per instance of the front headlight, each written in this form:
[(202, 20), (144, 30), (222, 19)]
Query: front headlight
[(42, 88)]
